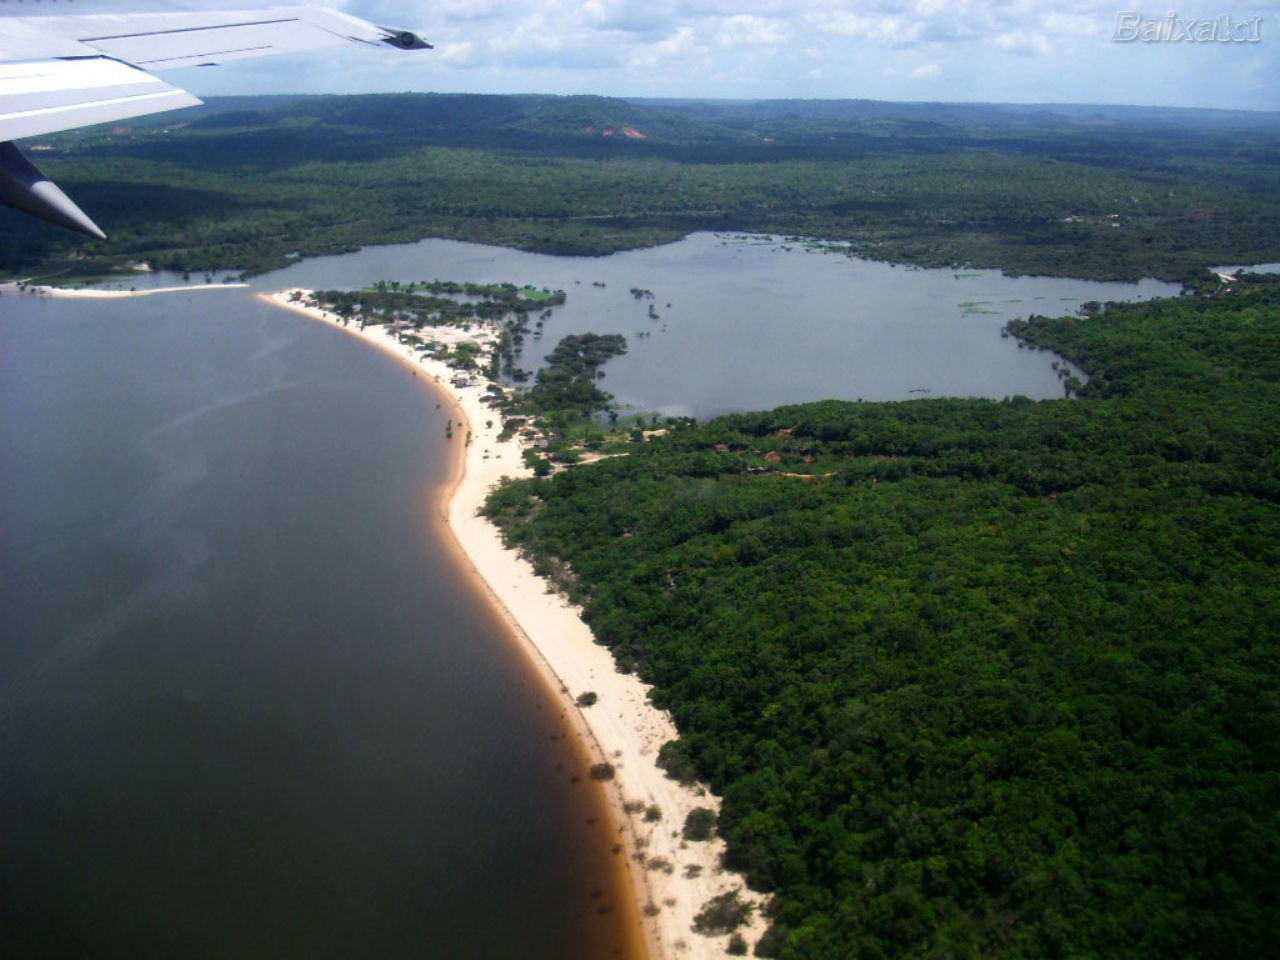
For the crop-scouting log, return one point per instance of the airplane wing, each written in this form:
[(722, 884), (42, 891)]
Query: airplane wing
[(62, 72)]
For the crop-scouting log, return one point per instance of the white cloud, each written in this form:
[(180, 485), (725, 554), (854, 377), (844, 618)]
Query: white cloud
[(926, 71), (680, 47), (746, 30), (1013, 50), (1023, 42), (456, 54)]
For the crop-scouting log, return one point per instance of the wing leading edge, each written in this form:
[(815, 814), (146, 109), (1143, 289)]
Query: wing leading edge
[(62, 72)]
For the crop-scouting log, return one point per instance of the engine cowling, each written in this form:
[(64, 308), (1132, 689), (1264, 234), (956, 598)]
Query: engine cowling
[(404, 39)]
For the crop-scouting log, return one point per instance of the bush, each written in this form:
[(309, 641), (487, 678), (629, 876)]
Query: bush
[(602, 771), (774, 939), (700, 824), (587, 699), (737, 946), (722, 914), (674, 759), (653, 814)]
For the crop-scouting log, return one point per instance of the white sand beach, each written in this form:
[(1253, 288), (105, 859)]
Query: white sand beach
[(672, 878), (90, 293)]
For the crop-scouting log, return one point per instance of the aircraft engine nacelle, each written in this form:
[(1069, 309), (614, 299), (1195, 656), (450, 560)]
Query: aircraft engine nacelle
[(404, 39)]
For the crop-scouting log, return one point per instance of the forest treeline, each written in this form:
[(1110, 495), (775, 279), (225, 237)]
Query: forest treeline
[(1100, 193), (436, 302), (973, 678)]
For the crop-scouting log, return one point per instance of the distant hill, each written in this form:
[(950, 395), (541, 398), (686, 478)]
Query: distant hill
[(250, 182), (487, 117), (734, 131), (713, 120), (854, 114)]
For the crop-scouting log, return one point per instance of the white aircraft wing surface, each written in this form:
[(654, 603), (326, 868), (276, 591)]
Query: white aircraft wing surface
[(62, 72), (45, 96)]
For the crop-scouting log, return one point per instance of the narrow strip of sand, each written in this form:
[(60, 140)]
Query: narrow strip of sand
[(90, 293), (671, 877)]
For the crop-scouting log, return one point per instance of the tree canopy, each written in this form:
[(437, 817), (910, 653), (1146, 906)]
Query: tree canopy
[(249, 183), (972, 678)]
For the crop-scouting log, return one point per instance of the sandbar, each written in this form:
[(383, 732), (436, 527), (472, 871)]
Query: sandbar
[(91, 293)]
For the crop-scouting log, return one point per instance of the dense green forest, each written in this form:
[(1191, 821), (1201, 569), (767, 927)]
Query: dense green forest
[(972, 678), (435, 302), (1070, 191)]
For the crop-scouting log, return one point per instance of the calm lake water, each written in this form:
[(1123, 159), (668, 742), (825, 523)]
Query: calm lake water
[(248, 707), (755, 324)]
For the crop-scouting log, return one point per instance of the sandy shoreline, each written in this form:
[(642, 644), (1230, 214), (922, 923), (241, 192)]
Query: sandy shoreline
[(88, 293), (673, 877)]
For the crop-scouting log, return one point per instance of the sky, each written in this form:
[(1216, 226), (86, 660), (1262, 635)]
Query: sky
[(939, 50)]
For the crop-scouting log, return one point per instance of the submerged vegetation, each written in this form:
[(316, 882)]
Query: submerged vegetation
[(973, 678), (566, 387), (564, 406), (251, 183)]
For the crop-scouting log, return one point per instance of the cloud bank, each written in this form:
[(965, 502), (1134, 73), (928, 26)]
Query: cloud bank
[(953, 50)]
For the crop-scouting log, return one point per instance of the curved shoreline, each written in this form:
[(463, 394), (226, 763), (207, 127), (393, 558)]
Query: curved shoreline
[(670, 879)]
